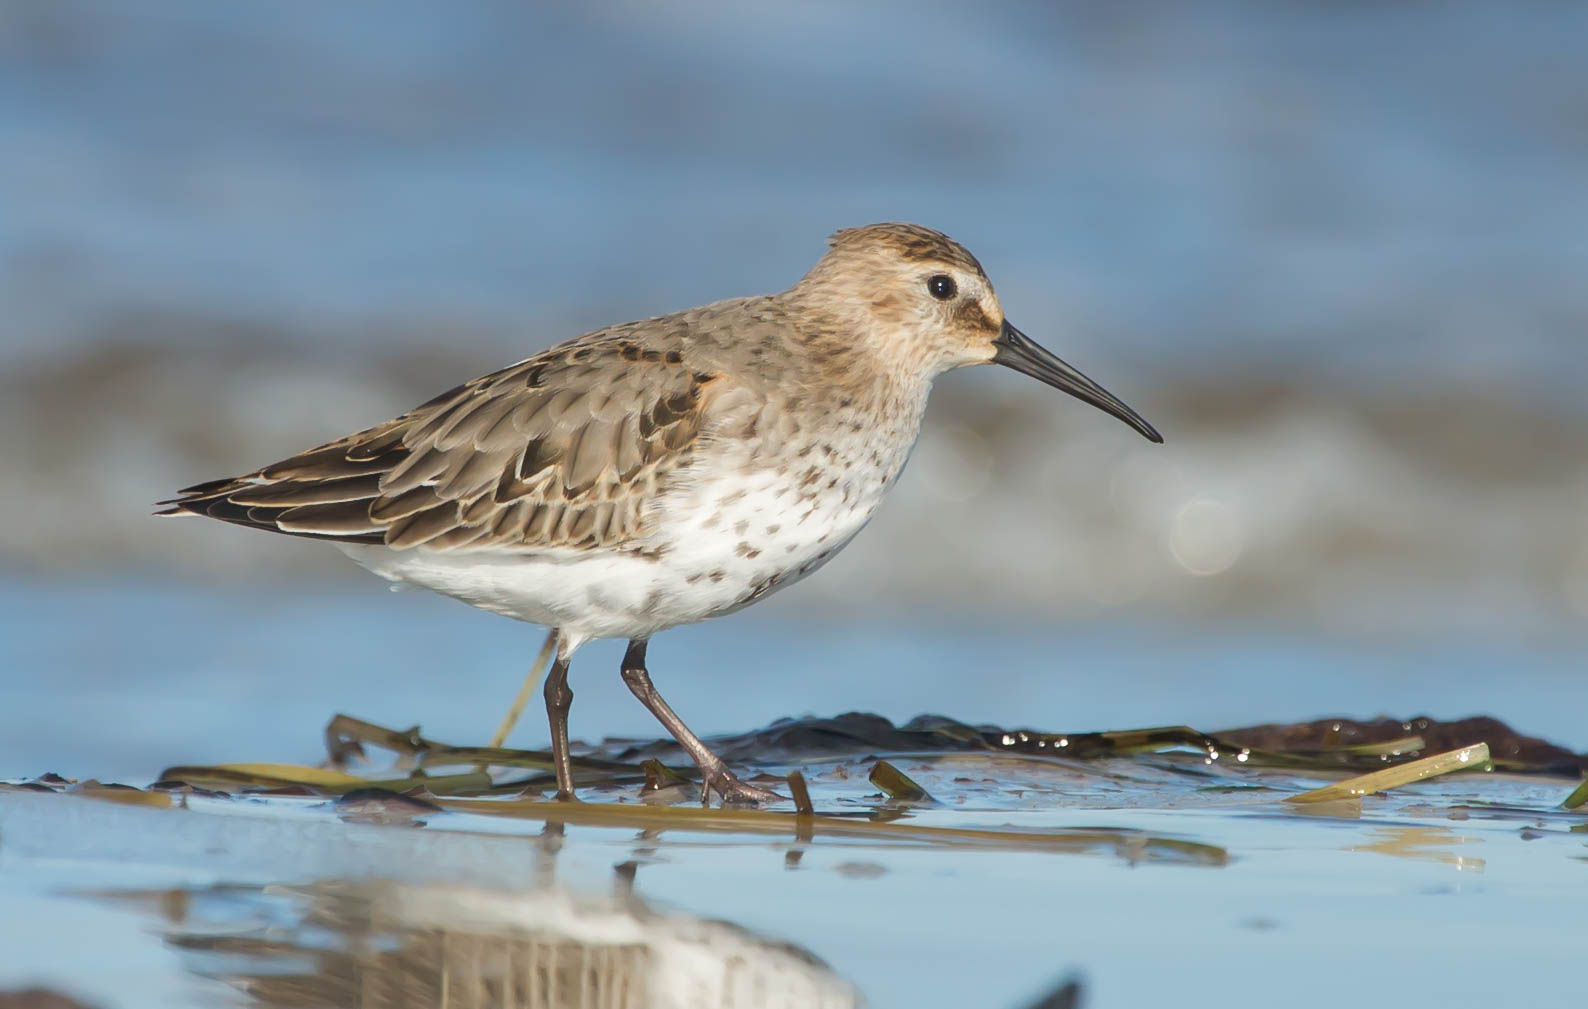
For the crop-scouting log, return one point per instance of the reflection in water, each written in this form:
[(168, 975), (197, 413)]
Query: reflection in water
[(1424, 844), (384, 945)]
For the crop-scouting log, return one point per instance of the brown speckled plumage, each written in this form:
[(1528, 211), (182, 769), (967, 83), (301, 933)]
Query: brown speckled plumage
[(562, 450), (909, 242), (664, 471), (569, 447)]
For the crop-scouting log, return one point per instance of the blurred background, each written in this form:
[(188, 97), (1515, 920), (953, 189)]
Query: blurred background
[(1336, 252)]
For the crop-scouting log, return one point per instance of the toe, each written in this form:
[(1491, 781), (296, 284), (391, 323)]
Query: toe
[(735, 790)]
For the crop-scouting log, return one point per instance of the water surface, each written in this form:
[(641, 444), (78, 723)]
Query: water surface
[(1160, 876)]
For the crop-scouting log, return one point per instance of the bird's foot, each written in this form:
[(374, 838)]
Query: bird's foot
[(733, 791)]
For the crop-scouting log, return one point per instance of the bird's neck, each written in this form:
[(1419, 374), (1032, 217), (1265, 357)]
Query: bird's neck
[(848, 349)]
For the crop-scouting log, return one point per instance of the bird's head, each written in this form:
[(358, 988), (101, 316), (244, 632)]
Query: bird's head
[(922, 304)]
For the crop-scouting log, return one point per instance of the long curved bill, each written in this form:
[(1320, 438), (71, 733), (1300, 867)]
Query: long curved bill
[(1018, 351)]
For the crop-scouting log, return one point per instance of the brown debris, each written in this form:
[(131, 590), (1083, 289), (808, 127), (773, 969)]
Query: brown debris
[(1507, 747)]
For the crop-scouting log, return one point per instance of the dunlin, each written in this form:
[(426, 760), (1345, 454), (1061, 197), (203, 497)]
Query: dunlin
[(657, 473)]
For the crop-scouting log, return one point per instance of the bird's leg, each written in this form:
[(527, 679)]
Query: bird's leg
[(714, 772), (559, 698)]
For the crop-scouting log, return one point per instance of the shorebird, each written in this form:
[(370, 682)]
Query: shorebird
[(657, 473)]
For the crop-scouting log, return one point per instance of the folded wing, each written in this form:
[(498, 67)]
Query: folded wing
[(562, 450)]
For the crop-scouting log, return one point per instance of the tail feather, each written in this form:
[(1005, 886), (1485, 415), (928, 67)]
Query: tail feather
[(297, 493), (318, 511), (324, 493)]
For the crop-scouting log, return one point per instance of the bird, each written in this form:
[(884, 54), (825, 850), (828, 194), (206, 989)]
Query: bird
[(657, 473)]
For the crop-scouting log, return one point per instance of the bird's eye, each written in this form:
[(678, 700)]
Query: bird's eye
[(941, 285)]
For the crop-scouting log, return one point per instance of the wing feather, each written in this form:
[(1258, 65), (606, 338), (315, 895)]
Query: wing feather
[(422, 526), (346, 518), (562, 450), (391, 507)]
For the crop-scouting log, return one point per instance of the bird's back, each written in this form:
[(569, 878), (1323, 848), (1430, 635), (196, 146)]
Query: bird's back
[(636, 477), (564, 449)]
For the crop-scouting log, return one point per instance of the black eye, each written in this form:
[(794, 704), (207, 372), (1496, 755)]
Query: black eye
[(942, 286)]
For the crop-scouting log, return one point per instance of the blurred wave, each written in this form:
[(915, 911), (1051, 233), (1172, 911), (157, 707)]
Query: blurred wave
[(1366, 511), (1334, 251)]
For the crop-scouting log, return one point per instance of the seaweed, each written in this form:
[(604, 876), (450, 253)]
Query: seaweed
[(900, 787), (430, 776), (1475, 757)]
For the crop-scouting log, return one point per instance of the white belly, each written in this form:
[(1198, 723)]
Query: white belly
[(721, 543)]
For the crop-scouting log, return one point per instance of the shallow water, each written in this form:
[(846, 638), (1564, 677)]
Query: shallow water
[(1379, 900), (1154, 878), (186, 672)]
